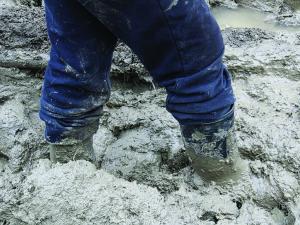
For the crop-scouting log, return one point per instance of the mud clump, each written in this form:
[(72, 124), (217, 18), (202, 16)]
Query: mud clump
[(30, 2), (145, 176)]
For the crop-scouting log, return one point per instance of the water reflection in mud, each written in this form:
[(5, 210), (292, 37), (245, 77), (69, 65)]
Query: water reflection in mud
[(248, 18)]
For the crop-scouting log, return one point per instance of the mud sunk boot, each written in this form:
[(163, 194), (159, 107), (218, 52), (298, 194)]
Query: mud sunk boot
[(212, 149), (65, 152)]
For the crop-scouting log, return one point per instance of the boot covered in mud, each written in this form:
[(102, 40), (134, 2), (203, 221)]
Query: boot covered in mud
[(212, 149), (70, 151)]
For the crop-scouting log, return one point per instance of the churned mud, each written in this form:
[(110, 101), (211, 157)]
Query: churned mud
[(145, 176)]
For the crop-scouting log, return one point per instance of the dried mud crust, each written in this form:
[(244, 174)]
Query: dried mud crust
[(145, 176)]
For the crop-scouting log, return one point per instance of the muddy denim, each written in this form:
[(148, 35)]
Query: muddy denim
[(178, 41)]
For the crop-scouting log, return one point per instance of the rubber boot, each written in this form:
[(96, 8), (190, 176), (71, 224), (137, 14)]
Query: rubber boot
[(212, 149), (64, 153)]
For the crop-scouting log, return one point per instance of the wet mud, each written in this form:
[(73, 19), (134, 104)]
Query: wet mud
[(145, 176)]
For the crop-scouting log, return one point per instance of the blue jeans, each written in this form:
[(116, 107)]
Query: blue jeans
[(179, 43)]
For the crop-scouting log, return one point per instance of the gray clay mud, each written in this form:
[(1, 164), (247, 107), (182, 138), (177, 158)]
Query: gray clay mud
[(145, 176)]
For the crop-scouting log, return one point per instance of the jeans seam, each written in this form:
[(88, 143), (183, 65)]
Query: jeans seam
[(172, 35)]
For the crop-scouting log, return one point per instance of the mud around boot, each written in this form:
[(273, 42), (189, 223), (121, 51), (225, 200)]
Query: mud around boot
[(64, 153), (218, 169), (212, 149)]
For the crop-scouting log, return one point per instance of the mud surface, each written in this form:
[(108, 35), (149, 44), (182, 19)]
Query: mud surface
[(145, 177)]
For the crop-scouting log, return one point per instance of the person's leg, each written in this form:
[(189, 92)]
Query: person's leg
[(181, 45), (76, 84)]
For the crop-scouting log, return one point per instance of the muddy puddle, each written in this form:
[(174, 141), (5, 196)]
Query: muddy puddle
[(249, 18)]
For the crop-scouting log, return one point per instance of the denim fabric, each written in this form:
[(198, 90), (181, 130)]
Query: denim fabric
[(178, 41)]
